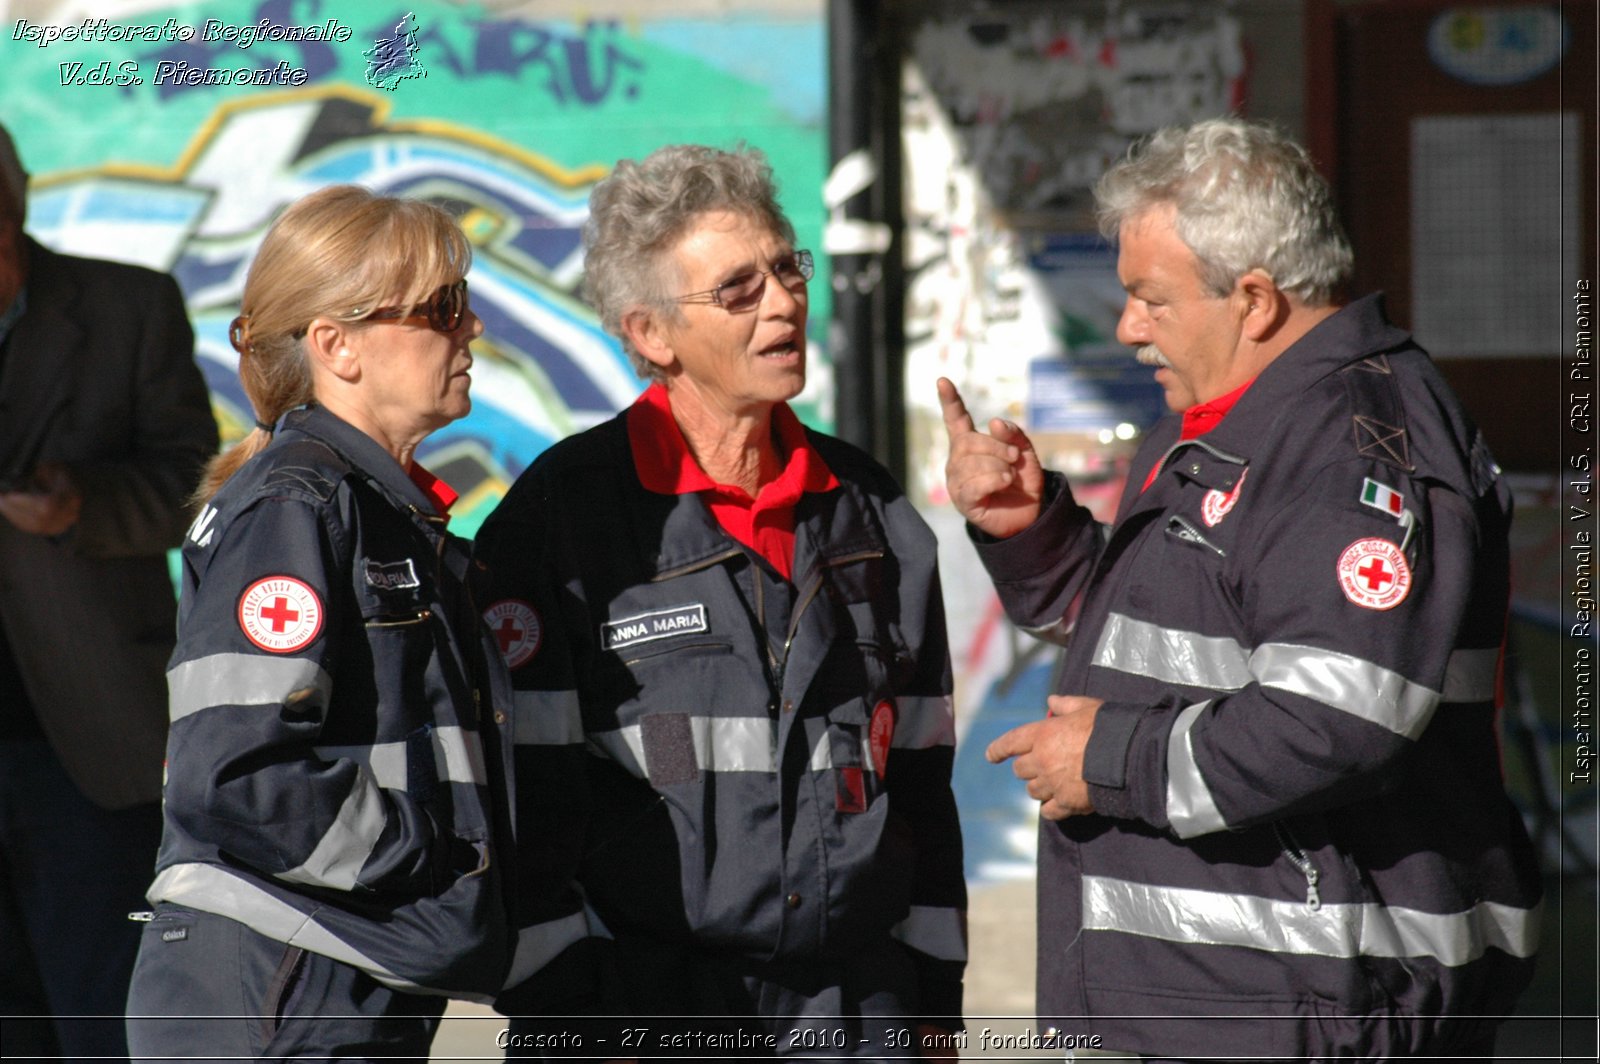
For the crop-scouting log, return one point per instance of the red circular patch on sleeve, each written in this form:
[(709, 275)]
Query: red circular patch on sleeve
[(280, 614), (1374, 574)]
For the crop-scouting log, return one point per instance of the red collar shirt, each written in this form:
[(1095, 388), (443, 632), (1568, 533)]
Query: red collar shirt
[(1201, 419), (765, 523)]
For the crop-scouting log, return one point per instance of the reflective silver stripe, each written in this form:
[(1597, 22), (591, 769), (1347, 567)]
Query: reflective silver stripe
[(721, 744), (1347, 683), (462, 752), (241, 680), (1454, 938), (457, 755), (215, 890), (1471, 676), (1146, 649), (1177, 914), (925, 721), (546, 718), (1190, 808), (538, 945), (625, 746), (337, 860), (938, 931), (386, 761)]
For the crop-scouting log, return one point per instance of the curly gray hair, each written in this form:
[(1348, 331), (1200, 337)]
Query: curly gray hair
[(638, 213), (1246, 197)]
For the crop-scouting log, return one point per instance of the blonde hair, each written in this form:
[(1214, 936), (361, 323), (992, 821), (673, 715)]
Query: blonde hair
[(337, 253)]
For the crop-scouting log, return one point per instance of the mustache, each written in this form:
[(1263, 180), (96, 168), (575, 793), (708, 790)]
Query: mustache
[(1150, 355)]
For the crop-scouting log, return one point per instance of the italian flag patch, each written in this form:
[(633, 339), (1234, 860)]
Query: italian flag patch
[(1382, 497)]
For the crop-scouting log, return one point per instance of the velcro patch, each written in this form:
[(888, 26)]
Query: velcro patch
[(657, 624), (669, 756)]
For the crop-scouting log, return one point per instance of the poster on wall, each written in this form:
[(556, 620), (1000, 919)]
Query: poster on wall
[(171, 134)]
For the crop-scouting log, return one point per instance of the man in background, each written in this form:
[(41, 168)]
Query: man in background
[(1275, 825), (105, 423)]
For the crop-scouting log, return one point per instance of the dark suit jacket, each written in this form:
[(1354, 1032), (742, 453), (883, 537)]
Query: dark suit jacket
[(101, 369)]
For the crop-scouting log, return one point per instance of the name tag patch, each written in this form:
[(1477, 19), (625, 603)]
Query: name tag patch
[(657, 624), (392, 576)]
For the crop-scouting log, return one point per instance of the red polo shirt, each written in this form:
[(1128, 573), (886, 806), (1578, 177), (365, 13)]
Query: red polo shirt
[(765, 523), (442, 495), (1202, 418)]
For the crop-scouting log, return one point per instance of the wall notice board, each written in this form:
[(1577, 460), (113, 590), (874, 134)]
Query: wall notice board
[(1460, 138)]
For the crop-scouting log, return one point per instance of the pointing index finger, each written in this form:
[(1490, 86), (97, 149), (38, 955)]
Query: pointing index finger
[(1018, 740), (956, 418)]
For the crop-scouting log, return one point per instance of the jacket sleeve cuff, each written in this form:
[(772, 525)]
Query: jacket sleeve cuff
[(1061, 521), (1124, 762)]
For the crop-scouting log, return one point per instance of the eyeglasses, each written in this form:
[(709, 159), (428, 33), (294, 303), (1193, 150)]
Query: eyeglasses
[(441, 312), (744, 291)]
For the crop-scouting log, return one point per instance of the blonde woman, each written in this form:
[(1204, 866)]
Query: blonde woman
[(330, 867)]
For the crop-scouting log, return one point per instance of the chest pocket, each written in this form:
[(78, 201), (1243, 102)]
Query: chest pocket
[(1203, 495), (391, 593)]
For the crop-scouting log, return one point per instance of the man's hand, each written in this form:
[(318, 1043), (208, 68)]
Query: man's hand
[(1049, 755), (995, 481), (49, 507)]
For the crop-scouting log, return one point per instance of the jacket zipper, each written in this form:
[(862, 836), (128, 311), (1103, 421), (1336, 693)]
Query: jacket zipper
[(1298, 858), (1184, 529), (420, 616), (810, 594)]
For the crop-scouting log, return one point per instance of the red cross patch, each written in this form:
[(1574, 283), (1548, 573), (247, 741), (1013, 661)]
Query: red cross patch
[(1374, 574), (516, 628), (280, 614)]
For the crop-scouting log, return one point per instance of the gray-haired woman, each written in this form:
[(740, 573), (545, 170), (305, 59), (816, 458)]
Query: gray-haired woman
[(732, 680)]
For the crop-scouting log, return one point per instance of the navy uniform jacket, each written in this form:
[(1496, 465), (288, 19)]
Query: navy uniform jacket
[(336, 779), (1300, 816), (695, 747)]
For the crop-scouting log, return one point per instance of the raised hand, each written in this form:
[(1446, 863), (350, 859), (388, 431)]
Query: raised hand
[(995, 479)]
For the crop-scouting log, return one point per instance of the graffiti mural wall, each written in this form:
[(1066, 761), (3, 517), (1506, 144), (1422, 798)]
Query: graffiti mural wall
[(171, 135)]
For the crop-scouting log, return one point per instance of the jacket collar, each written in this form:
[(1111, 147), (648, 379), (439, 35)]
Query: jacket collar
[(363, 453), (678, 531)]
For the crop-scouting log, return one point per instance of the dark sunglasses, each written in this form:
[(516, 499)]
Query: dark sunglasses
[(744, 291), (441, 312)]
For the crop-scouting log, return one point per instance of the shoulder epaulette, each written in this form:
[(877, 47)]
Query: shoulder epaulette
[(1377, 418), (309, 466)]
